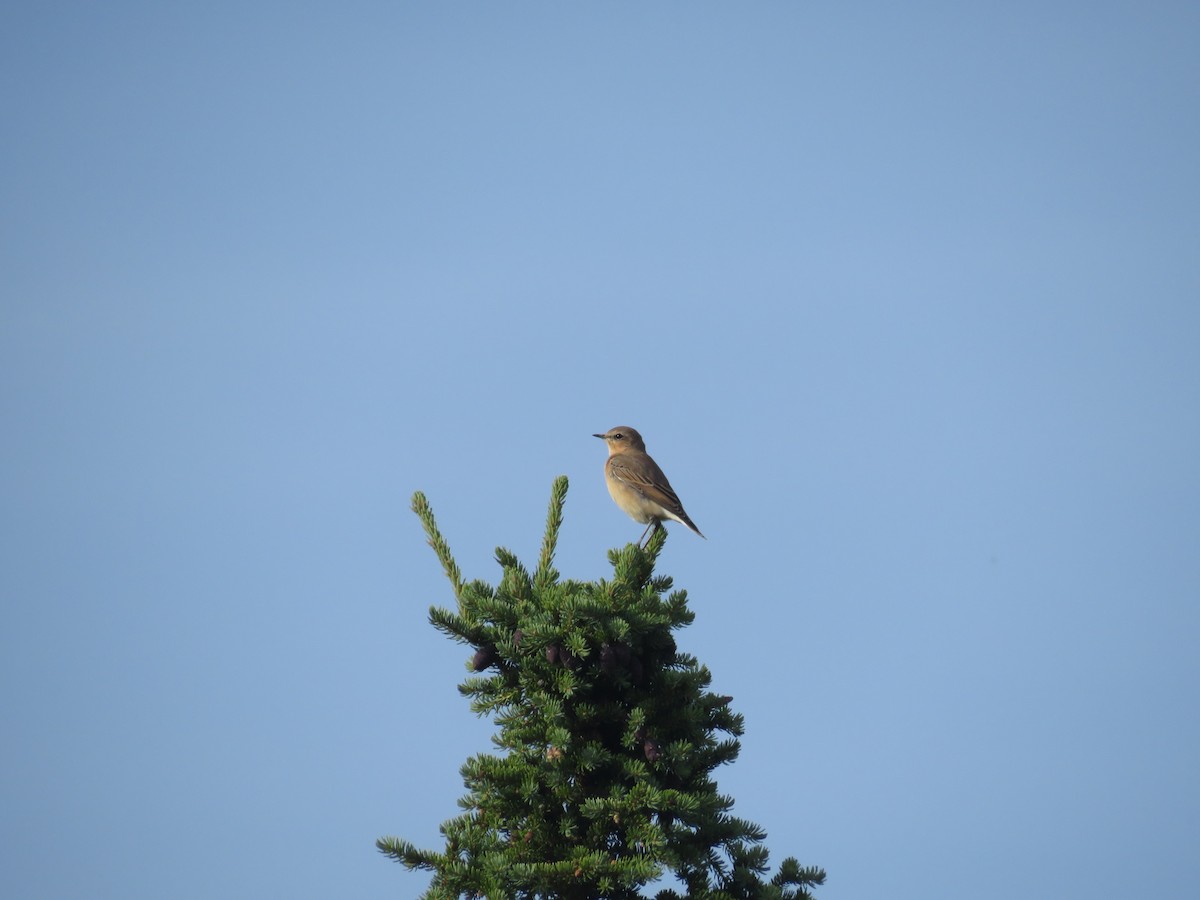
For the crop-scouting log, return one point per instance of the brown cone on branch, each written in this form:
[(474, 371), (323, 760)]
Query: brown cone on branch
[(485, 656)]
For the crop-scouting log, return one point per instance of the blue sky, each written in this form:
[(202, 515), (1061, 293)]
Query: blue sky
[(904, 298)]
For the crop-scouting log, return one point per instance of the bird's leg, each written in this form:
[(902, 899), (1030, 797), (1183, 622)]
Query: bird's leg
[(653, 522)]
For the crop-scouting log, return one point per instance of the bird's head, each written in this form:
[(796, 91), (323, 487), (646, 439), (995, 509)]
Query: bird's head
[(621, 439)]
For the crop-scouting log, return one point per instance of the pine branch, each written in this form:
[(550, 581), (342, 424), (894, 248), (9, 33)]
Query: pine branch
[(546, 574), (422, 508)]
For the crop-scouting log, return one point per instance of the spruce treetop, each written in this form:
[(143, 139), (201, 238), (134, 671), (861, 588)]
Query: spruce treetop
[(608, 737)]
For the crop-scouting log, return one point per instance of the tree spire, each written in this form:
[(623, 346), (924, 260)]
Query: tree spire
[(608, 737)]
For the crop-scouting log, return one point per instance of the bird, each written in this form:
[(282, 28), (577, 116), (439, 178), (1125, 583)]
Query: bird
[(636, 483)]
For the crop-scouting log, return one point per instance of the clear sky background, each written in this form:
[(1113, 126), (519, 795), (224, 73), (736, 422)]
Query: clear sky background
[(905, 299)]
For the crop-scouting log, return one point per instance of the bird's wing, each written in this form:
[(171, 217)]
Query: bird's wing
[(645, 477)]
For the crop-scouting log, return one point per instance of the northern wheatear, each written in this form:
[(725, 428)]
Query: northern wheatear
[(637, 484)]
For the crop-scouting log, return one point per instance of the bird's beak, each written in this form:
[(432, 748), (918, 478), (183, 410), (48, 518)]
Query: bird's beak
[(599, 436)]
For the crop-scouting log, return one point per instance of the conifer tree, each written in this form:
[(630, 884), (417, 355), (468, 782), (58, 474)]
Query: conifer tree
[(609, 736)]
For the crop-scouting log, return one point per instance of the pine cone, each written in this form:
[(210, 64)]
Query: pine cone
[(485, 656)]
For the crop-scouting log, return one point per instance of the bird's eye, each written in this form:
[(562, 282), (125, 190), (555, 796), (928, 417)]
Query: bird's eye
[(618, 436)]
